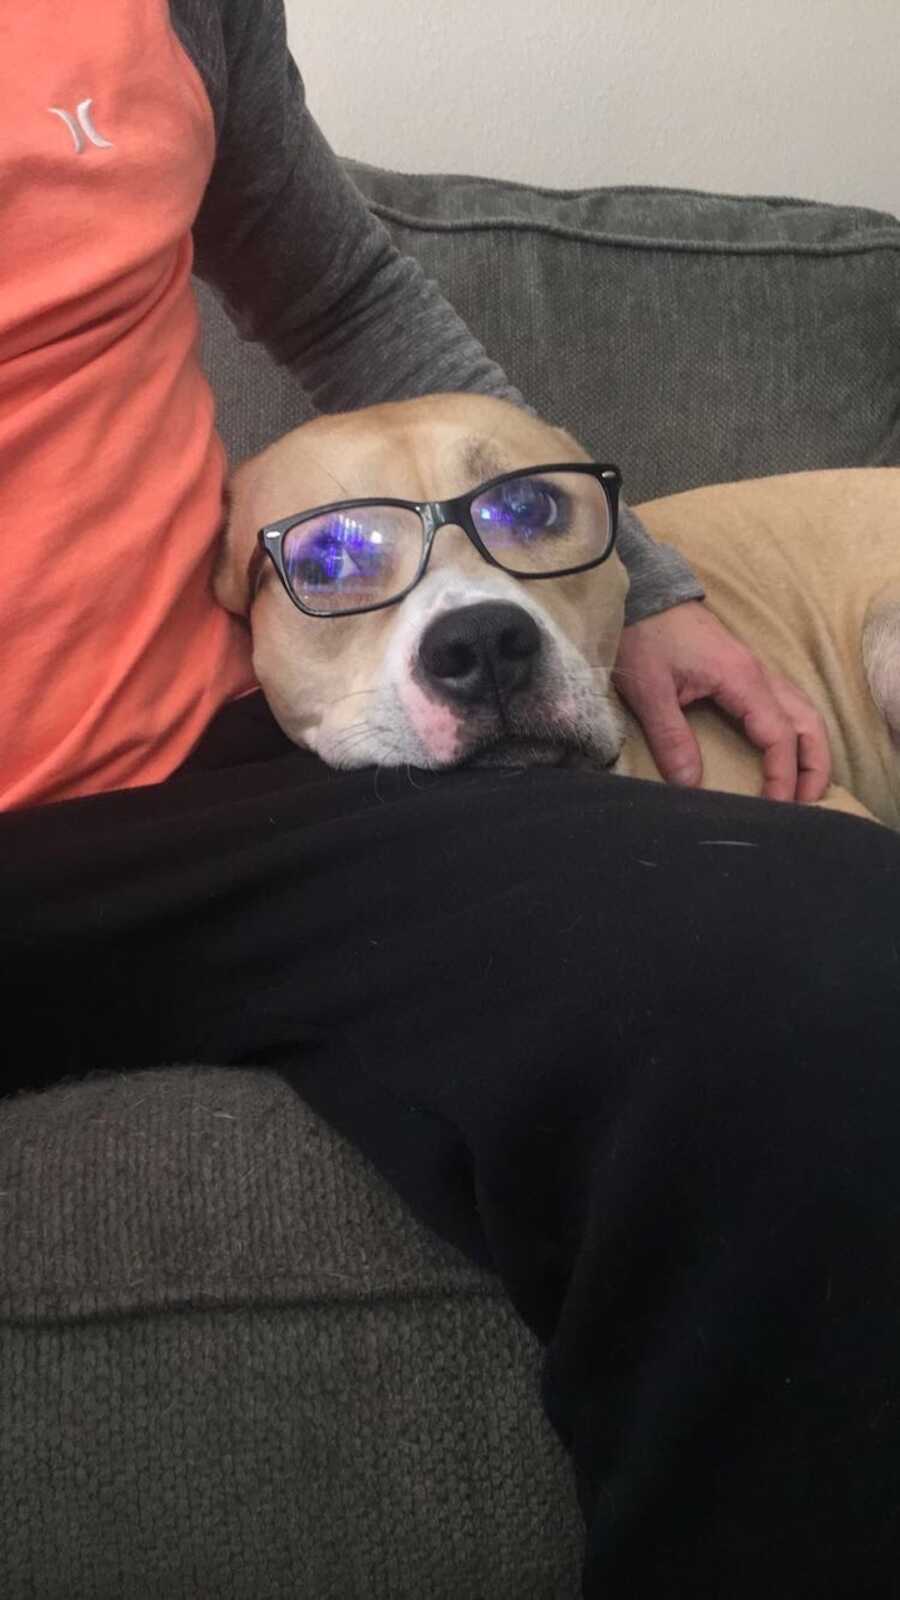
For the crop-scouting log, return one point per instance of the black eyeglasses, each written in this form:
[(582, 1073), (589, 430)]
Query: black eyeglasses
[(360, 555)]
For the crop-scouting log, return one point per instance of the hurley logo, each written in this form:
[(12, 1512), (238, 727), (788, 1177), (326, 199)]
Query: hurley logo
[(83, 126)]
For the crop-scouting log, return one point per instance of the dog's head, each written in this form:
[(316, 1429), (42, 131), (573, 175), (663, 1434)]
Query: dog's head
[(473, 664)]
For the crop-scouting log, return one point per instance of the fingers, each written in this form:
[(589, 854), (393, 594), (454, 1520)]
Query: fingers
[(813, 749), (672, 744), (750, 700), (779, 719), (669, 660)]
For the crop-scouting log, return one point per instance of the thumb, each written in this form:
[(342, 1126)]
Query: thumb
[(665, 728)]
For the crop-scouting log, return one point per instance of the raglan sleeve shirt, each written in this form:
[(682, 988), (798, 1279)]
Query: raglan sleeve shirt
[(143, 142), (303, 266)]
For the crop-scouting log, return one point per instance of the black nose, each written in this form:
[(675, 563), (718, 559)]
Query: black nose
[(478, 652)]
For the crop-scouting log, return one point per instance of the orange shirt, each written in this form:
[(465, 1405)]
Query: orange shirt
[(113, 652)]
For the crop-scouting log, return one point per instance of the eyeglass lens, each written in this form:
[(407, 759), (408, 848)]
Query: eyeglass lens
[(544, 523), (358, 556), (361, 556)]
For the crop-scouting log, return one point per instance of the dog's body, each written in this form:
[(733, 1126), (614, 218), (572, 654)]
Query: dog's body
[(820, 605), (806, 570)]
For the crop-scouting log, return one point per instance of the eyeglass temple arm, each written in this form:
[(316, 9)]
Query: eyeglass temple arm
[(255, 569)]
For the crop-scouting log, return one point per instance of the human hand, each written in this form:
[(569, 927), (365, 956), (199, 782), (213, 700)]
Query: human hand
[(684, 654)]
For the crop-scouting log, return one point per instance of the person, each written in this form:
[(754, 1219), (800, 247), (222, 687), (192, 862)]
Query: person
[(647, 1077), (107, 426)]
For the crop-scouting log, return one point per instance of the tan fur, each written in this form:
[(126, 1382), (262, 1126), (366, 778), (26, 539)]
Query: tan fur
[(881, 656), (794, 565), (799, 567)]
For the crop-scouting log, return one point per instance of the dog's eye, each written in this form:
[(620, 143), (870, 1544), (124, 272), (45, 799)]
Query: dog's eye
[(337, 550), (524, 506), (352, 558)]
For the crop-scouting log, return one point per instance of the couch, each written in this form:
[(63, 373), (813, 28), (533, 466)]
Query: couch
[(231, 1364)]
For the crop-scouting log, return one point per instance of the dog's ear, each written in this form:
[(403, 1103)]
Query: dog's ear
[(229, 580), (261, 489)]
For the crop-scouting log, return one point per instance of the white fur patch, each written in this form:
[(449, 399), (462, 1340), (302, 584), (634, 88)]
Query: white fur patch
[(435, 724), (881, 658)]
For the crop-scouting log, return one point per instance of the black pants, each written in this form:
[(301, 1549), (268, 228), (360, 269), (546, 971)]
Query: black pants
[(638, 1048)]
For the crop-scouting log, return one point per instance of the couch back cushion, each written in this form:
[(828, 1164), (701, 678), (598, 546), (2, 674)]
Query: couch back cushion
[(691, 337)]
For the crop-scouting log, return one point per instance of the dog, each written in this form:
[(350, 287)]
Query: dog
[(477, 665)]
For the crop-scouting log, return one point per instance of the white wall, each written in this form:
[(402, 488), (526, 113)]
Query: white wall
[(794, 97)]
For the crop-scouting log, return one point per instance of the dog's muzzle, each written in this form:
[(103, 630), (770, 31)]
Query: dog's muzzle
[(480, 654), (486, 663)]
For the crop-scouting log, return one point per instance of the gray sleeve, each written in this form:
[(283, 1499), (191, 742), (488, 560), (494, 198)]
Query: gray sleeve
[(301, 263), (659, 575), (304, 267)]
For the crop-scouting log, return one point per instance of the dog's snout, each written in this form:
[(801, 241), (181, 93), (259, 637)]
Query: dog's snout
[(476, 652)]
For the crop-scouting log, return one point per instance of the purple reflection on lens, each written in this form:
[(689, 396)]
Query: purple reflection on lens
[(523, 507), (341, 549)]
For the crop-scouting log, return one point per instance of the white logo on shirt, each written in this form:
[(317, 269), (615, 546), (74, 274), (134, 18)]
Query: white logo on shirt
[(84, 125)]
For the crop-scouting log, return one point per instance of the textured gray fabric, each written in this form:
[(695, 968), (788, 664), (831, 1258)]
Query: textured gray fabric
[(256, 399), (233, 1365), (692, 338)]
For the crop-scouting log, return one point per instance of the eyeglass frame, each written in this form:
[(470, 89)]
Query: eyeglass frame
[(433, 515)]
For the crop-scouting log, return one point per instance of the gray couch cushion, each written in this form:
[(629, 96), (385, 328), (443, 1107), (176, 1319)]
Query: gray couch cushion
[(233, 1364), (693, 338)]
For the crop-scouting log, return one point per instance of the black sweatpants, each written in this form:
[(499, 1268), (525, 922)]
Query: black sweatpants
[(638, 1048)]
